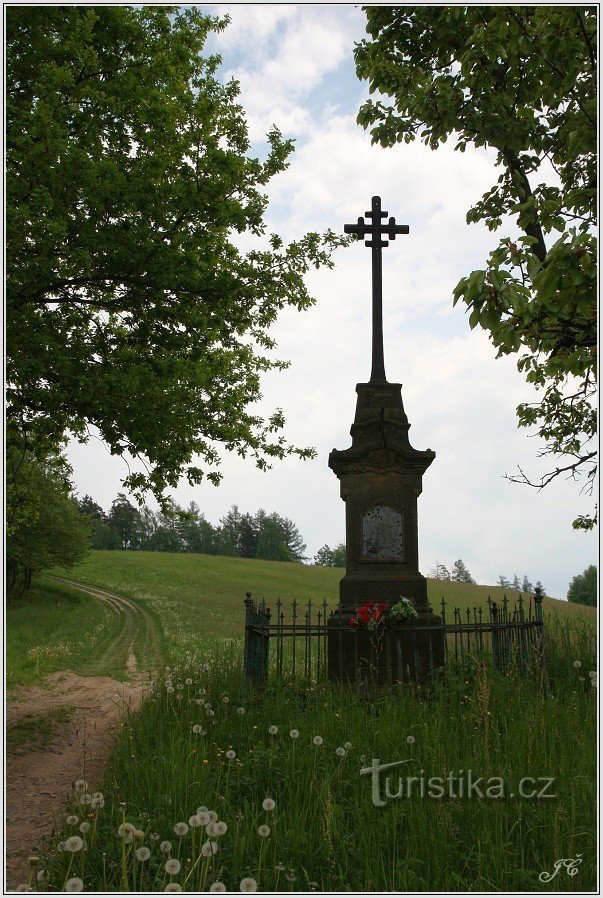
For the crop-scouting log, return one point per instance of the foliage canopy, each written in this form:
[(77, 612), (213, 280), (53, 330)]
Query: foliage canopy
[(130, 306), (522, 81)]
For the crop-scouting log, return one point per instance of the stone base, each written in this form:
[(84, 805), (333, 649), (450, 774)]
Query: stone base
[(394, 653), (357, 588)]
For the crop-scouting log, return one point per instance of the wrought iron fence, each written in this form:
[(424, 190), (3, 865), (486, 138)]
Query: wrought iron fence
[(293, 645)]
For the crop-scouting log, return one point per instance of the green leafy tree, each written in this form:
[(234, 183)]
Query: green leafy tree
[(44, 526), (460, 574), (526, 585), (271, 544), (126, 521), (583, 588), (521, 80), (331, 557), (101, 534), (129, 307), (440, 572)]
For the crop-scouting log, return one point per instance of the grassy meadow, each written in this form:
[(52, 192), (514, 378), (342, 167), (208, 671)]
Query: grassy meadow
[(197, 600), (214, 787)]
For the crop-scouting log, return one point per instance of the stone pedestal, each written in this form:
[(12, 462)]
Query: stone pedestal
[(381, 479)]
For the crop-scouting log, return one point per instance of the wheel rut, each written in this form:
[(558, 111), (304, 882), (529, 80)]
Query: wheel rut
[(39, 779)]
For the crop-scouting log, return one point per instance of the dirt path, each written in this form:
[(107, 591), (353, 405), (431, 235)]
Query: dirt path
[(38, 780)]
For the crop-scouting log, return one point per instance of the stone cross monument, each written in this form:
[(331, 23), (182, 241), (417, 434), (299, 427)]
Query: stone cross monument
[(381, 479)]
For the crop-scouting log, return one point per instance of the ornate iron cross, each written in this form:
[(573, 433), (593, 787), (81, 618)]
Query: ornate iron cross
[(376, 229)]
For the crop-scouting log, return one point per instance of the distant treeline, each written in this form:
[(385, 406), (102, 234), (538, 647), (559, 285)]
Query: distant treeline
[(243, 535)]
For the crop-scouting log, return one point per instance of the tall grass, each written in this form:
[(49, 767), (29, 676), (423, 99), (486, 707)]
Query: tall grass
[(325, 832)]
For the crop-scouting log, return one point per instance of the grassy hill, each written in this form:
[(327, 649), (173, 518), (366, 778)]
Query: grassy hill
[(197, 600), (194, 603)]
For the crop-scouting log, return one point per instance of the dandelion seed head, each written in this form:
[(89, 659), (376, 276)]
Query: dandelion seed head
[(347, 745), (340, 752), (225, 699), (61, 846), (86, 799), (97, 803), (188, 681), (181, 829), (269, 804), (240, 710), (317, 740), (217, 887), (81, 786), (264, 831), (172, 866), (173, 887), (220, 828), (126, 829), (294, 734), (75, 884), (23, 887), (273, 730), (72, 820), (212, 816), (410, 740), (248, 885), (73, 844), (84, 827), (203, 818), (231, 755), (208, 849), (143, 853), (165, 847), (193, 821)]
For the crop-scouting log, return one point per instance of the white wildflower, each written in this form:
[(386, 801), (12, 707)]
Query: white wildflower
[(73, 844), (208, 849)]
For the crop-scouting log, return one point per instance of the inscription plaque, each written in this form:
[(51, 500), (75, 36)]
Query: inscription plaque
[(382, 533)]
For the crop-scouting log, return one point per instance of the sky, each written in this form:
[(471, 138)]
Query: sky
[(295, 67)]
